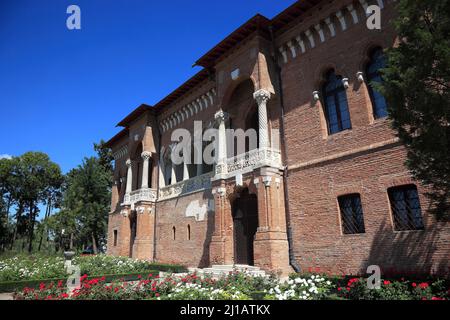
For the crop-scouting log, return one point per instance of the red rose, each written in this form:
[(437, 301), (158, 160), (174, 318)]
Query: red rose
[(423, 285), (386, 282), (414, 284), (157, 295)]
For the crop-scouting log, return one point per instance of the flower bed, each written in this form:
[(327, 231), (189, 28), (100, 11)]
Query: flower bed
[(239, 286), (28, 268)]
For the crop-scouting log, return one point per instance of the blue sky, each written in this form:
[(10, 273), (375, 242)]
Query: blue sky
[(62, 90)]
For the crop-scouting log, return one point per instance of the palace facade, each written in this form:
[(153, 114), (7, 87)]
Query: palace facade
[(332, 194)]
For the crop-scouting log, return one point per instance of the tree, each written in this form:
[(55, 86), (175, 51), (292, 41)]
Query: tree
[(105, 155), (37, 177), (87, 199), (416, 87)]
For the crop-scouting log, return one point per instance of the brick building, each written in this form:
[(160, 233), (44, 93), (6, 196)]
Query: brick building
[(330, 192)]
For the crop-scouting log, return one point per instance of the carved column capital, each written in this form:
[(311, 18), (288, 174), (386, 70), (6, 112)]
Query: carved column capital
[(261, 96), (128, 163), (221, 116), (146, 155), (221, 191)]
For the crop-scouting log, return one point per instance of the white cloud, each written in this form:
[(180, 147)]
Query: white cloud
[(5, 156)]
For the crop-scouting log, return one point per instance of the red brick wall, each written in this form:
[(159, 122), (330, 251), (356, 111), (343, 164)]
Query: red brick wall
[(313, 190), (172, 213)]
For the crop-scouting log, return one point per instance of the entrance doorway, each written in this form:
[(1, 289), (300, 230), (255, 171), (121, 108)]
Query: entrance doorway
[(245, 223)]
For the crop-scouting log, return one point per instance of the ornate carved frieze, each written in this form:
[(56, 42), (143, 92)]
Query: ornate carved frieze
[(185, 187), (264, 157)]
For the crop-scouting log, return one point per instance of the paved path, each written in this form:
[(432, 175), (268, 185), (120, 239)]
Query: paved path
[(6, 296)]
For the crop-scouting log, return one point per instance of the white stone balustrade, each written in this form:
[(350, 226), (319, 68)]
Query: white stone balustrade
[(262, 157), (144, 194), (185, 187)]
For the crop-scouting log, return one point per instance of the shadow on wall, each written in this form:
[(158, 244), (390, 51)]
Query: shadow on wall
[(410, 253)]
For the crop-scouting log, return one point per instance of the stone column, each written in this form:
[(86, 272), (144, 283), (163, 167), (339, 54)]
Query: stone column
[(115, 195), (262, 96), (129, 177), (145, 166), (161, 175), (221, 167)]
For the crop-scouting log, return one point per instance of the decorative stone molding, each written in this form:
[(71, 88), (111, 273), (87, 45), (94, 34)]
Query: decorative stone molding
[(261, 96), (353, 13), (124, 213), (283, 54), (341, 19), (365, 5), (301, 43), (221, 116), (122, 152), (146, 194), (128, 163), (292, 48), (316, 96), (317, 29), (345, 83), (256, 182), (267, 180), (330, 25), (247, 162), (185, 112), (360, 76), (221, 191), (186, 187), (146, 155), (310, 36)]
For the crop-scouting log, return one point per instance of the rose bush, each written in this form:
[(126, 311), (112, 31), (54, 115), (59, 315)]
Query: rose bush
[(36, 268), (239, 286)]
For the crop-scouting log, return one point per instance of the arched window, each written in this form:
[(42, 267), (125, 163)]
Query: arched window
[(336, 105), (174, 231), (377, 62), (189, 232)]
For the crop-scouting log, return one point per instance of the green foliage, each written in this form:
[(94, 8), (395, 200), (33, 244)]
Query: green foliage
[(240, 286), (84, 214), (27, 267), (416, 87)]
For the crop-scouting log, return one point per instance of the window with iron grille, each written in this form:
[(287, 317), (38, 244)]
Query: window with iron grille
[(405, 205), (351, 214)]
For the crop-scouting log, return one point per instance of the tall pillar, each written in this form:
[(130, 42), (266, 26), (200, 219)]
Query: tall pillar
[(129, 177), (221, 167), (271, 249), (221, 246), (162, 173), (114, 195), (145, 167), (262, 96)]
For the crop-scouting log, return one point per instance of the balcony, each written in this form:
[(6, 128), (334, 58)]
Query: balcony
[(147, 194), (247, 162)]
